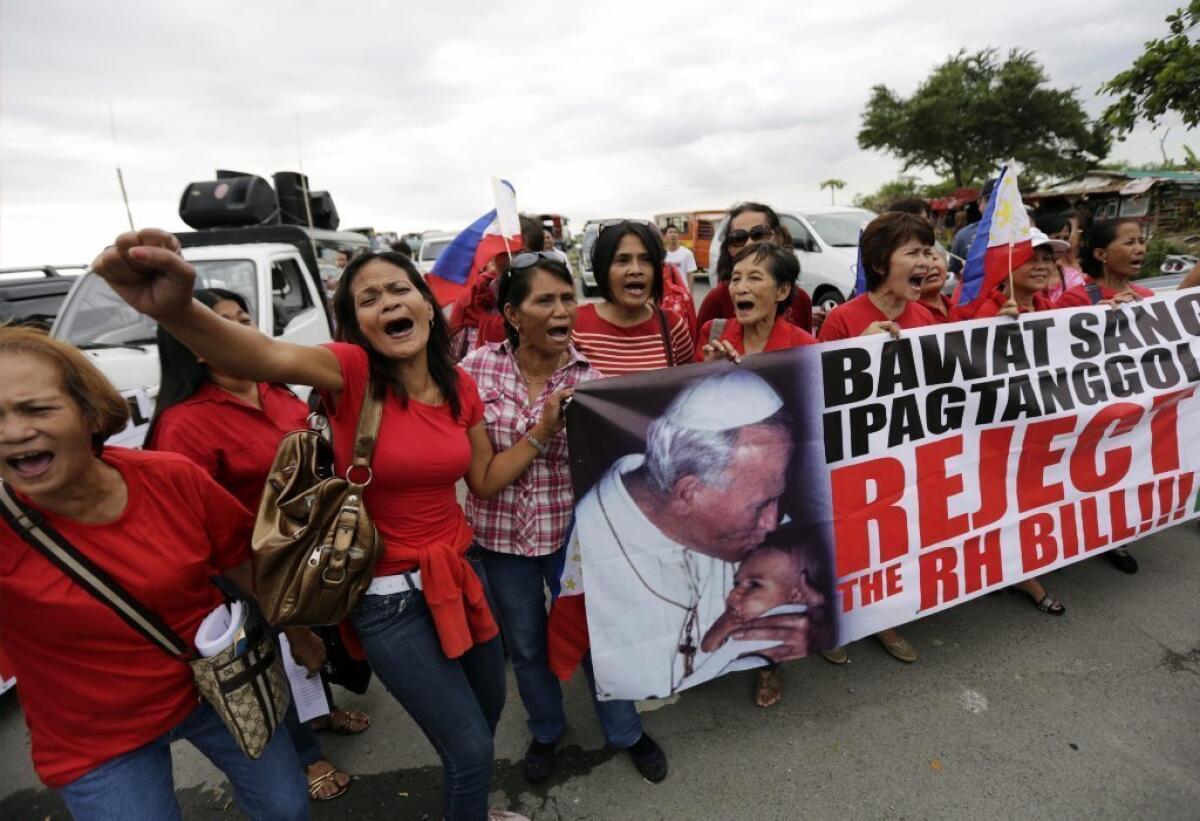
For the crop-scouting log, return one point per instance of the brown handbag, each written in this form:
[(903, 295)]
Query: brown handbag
[(315, 546)]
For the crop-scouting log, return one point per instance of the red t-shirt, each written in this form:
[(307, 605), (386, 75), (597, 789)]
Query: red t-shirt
[(718, 304), (235, 442), (614, 350), (852, 318), (1078, 296), (92, 687), (783, 335), (421, 453), (940, 318)]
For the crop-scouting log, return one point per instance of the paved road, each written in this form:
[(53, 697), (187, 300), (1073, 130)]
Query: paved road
[(1009, 713)]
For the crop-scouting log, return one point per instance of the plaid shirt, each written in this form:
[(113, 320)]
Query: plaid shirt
[(530, 516)]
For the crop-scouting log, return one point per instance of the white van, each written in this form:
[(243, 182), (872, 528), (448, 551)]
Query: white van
[(274, 270), (826, 243)]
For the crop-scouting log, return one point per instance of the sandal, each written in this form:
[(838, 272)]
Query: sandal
[(900, 650), (767, 689), (1050, 605), (344, 722), (837, 655), (316, 786)]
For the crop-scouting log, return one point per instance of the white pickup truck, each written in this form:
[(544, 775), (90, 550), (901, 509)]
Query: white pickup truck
[(273, 268)]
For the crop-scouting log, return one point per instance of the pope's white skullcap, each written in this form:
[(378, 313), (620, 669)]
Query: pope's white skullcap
[(729, 400)]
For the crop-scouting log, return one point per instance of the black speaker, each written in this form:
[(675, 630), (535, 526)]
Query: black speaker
[(324, 212), (228, 202), (289, 188)]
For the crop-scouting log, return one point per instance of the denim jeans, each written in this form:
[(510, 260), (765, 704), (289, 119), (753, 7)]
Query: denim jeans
[(455, 702), (138, 786), (517, 585)]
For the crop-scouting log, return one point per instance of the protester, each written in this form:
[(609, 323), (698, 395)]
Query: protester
[(912, 205), (627, 332), (761, 288), (403, 248), (425, 622), (521, 530), (898, 255), (933, 299), (966, 235), (1067, 273), (1030, 281), (551, 248), (102, 702), (750, 222), (679, 255), (1111, 255), (232, 428)]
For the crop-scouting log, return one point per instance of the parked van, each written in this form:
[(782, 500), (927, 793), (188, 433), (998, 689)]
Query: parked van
[(696, 231)]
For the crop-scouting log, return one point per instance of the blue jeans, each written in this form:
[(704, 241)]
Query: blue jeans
[(138, 786), (455, 702), (517, 585)]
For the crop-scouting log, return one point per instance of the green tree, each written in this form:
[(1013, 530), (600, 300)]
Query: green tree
[(973, 112), (834, 185), (1165, 78)]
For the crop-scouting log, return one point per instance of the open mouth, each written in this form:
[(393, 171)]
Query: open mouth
[(31, 464), (559, 333), (743, 306), (916, 281), (635, 288), (398, 328)]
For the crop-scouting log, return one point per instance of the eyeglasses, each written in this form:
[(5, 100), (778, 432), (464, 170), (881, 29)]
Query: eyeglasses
[(738, 238)]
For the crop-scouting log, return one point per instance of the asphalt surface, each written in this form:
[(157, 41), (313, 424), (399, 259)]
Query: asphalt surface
[(1009, 713)]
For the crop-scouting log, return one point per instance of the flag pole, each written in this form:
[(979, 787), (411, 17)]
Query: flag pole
[(1012, 291)]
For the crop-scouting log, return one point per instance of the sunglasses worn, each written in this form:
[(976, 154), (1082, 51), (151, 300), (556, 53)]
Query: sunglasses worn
[(758, 233)]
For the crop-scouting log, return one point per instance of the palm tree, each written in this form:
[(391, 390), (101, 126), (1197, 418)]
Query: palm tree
[(834, 185)]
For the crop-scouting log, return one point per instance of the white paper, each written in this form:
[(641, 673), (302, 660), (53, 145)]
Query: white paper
[(307, 692), (219, 629)]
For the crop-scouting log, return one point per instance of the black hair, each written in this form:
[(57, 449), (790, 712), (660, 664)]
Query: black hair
[(402, 248), (1051, 224), (383, 370), (1100, 236), (532, 238), (182, 373), (725, 259), (516, 285), (883, 235), (911, 205), (782, 263), (605, 249)]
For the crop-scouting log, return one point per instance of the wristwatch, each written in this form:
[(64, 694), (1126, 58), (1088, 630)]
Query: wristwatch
[(539, 446)]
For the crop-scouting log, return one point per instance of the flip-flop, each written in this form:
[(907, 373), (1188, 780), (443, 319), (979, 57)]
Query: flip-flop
[(767, 688), (315, 785), (344, 725)]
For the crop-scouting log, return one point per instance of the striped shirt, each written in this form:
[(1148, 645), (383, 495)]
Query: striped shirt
[(614, 350)]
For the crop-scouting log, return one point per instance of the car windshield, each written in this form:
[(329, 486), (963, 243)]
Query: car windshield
[(840, 228), (96, 317), (38, 310), (433, 249), (589, 241)]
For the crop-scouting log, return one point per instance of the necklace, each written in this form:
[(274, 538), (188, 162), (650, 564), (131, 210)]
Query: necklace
[(529, 383)]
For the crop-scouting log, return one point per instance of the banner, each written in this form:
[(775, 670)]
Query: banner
[(733, 515)]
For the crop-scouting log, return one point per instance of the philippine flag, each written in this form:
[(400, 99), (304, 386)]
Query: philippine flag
[(1002, 241), (497, 231)]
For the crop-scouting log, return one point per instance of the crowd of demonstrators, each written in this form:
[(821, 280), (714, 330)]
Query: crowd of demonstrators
[(450, 580), (232, 427), (746, 223)]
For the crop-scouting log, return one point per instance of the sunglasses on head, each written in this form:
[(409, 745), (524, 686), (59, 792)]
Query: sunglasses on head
[(740, 237), (526, 259), (613, 223)]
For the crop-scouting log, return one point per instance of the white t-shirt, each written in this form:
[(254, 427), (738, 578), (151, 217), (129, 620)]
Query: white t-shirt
[(683, 259)]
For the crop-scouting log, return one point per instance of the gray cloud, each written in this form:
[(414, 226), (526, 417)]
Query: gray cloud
[(592, 109)]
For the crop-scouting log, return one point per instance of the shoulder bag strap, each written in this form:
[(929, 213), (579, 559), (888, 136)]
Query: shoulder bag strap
[(1093, 292), (666, 336), (367, 431), (32, 528)]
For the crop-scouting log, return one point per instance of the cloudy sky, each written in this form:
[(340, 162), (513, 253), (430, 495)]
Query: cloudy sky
[(592, 109)]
